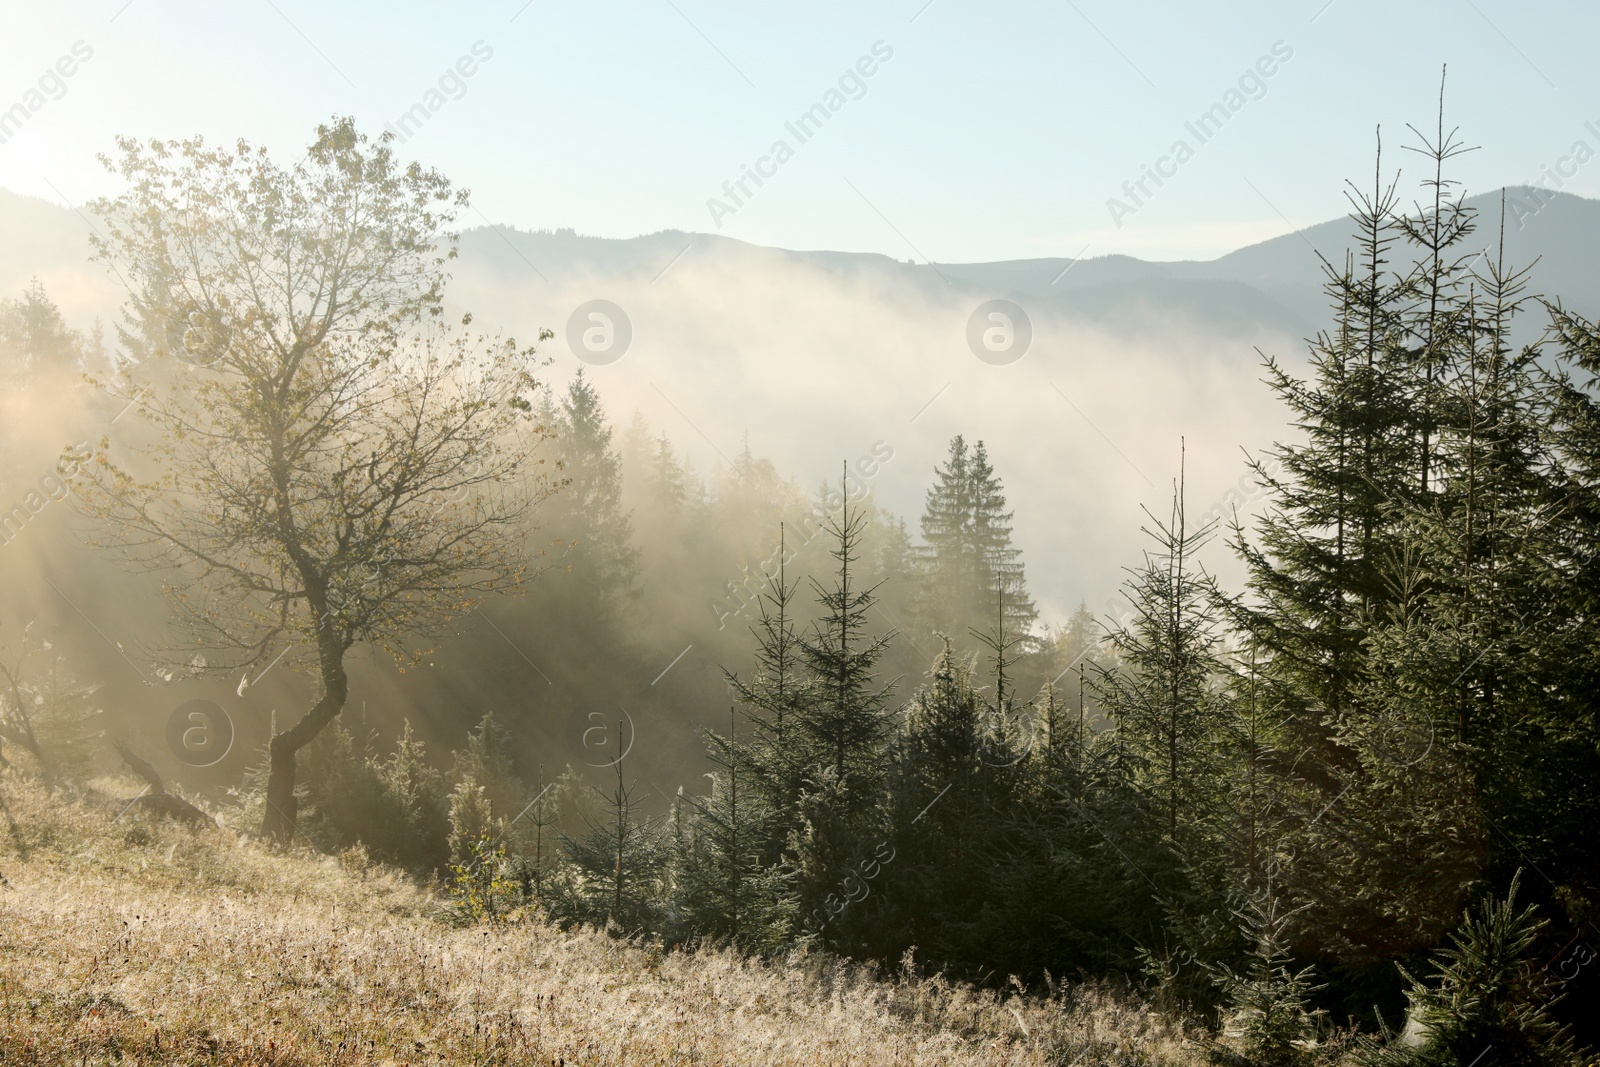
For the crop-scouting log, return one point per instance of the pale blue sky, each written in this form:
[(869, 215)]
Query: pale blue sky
[(995, 130)]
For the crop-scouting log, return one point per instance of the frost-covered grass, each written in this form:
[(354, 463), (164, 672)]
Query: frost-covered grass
[(132, 941)]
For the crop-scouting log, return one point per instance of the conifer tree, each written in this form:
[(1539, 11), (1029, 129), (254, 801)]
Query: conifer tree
[(1486, 1002), (487, 761), (472, 820), (955, 772), (1313, 563), (526, 813), (777, 695), (668, 481), (636, 449), (1164, 694), (1567, 756), (617, 863), (1076, 863), (397, 805), (46, 710), (725, 887), (1347, 572), (842, 727), (1433, 322), (999, 560), (1267, 1017), (416, 790), (34, 337), (590, 505), (539, 857), (967, 555), (844, 722)]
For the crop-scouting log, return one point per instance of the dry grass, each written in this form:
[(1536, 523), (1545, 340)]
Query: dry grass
[(138, 942)]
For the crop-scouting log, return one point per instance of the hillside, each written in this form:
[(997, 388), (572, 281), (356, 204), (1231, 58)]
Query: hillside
[(133, 941)]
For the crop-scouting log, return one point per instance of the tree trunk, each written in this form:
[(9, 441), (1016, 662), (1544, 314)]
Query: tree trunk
[(278, 821)]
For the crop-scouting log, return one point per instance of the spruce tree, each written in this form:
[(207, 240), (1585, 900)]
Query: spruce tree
[(34, 337), (954, 778), (1267, 1017), (617, 864), (1348, 573), (775, 698), (725, 887), (667, 479), (999, 560), (841, 728), (536, 826), (1076, 865), (589, 508), (1565, 823), (844, 723), (1435, 287), (472, 821), (1313, 560), (1164, 693), (1486, 1002), (967, 555)]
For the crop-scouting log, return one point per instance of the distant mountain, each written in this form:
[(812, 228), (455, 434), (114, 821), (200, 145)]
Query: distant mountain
[(1276, 283), (812, 357)]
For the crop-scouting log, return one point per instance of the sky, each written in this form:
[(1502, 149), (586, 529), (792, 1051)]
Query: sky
[(982, 132)]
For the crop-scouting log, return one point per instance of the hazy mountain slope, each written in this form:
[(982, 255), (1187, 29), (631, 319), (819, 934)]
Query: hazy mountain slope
[(819, 355), (1562, 235)]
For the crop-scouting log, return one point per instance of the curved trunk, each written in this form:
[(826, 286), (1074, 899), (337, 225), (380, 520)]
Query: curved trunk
[(278, 821)]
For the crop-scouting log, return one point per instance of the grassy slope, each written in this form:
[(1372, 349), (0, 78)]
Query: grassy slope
[(139, 942)]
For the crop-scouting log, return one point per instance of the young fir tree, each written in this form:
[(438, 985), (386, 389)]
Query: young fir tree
[(487, 761), (1171, 714), (1384, 862), (1174, 743), (616, 865), (396, 805), (1495, 534), (724, 888), (1343, 578), (843, 725), (1447, 727), (472, 821), (955, 771), (1487, 1002), (1567, 753), (523, 815), (841, 729), (775, 698), (1266, 1018), (539, 857), (1436, 232), (413, 787), (1077, 862)]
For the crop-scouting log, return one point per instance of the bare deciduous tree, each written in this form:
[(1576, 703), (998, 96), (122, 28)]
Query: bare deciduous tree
[(325, 461)]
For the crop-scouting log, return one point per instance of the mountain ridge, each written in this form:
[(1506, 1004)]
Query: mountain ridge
[(1284, 271)]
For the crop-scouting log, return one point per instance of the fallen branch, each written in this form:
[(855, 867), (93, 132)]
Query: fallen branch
[(158, 800)]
